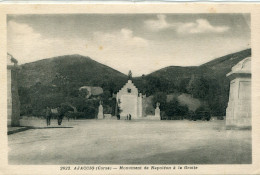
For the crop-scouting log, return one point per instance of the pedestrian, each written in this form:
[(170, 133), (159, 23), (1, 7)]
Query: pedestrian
[(48, 116), (60, 115), (130, 116)]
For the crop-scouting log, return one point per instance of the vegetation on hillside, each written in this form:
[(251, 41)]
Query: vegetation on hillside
[(56, 81)]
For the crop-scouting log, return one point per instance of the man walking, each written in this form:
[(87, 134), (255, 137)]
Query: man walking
[(61, 113), (48, 116)]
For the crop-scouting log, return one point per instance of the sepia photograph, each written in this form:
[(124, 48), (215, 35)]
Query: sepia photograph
[(129, 89)]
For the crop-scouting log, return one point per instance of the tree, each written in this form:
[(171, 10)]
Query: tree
[(182, 85), (83, 92), (159, 97), (129, 75), (174, 110), (62, 83), (198, 87)]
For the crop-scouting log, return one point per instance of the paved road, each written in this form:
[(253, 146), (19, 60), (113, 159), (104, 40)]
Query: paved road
[(131, 142)]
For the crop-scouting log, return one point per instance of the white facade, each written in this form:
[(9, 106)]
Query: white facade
[(130, 101)]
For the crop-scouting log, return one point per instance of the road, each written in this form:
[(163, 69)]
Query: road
[(131, 142)]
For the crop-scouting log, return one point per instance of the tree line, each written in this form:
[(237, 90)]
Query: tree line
[(65, 92)]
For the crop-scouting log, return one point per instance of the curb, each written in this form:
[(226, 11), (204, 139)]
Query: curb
[(18, 130)]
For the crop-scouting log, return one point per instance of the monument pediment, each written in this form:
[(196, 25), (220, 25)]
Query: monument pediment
[(129, 100), (128, 89)]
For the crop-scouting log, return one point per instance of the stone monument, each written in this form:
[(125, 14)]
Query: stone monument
[(238, 112), (157, 115), (131, 101), (100, 111), (13, 103)]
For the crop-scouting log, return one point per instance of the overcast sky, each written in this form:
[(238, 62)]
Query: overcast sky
[(140, 42)]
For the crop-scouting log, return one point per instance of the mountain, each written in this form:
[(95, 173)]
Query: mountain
[(228, 61), (207, 82), (219, 66), (79, 70), (85, 71), (55, 79)]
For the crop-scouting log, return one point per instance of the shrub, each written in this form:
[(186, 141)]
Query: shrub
[(175, 111), (190, 115), (75, 115), (90, 112), (202, 113), (25, 109), (163, 115)]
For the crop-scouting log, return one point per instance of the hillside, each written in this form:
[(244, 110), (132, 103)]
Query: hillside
[(56, 80), (78, 69), (213, 86), (220, 65), (85, 71), (226, 62)]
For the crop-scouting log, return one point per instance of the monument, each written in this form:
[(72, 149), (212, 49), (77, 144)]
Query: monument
[(100, 111), (13, 103), (131, 101), (238, 112), (157, 114)]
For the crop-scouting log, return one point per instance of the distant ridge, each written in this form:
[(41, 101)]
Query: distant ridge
[(79, 69), (238, 55), (82, 70), (217, 66)]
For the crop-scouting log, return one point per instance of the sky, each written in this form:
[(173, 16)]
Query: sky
[(142, 43)]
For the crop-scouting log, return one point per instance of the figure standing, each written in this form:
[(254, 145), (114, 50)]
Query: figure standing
[(130, 116), (60, 115), (48, 116)]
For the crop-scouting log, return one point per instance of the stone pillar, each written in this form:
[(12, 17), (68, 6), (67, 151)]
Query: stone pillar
[(144, 104), (13, 103), (157, 112), (238, 112), (100, 112), (140, 106)]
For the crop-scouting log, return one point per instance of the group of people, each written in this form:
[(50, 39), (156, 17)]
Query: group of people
[(128, 117), (49, 115)]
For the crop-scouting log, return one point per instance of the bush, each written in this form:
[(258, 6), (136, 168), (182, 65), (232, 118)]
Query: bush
[(38, 112), (176, 111), (26, 109), (190, 115), (75, 115), (90, 112), (220, 117), (202, 113), (163, 115)]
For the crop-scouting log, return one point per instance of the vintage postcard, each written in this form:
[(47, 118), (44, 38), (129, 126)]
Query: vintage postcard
[(130, 88)]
